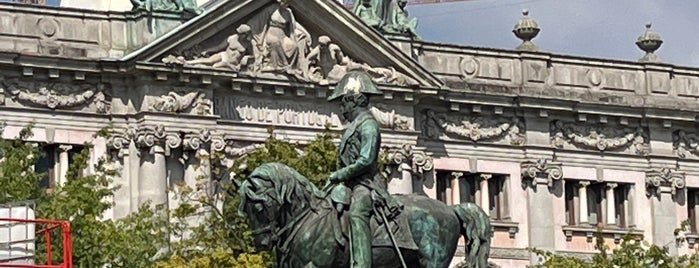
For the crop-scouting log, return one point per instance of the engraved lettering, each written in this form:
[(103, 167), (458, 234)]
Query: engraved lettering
[(278, 112)]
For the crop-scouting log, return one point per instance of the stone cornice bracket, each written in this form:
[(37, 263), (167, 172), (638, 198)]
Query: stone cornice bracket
[(156, 139), (601, 138), (542, 171), (664, 181), (419, 161), (473, 128), (118, 142)]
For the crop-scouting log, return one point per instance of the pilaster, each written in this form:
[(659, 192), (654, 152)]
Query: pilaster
[(662, 187), (154, 144), (541, 175)]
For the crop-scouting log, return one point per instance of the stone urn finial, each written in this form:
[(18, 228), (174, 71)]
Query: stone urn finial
[(526, 29), (649, 42)]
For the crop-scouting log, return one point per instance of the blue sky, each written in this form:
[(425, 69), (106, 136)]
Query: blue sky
[(594, 28)]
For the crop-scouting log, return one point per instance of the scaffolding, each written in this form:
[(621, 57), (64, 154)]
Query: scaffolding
[(18, 234)]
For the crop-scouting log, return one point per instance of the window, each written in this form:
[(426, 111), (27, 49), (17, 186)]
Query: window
[(487, 190), (692, 198), (50, 163), (597, 203)]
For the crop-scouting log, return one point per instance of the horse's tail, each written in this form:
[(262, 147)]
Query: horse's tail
[(476, 229)]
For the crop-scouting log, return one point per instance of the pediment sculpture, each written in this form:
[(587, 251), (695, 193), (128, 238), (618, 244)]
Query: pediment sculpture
[(177, 6), (60, 96), (387, 16), (602, 138), (473, 128), (272, 44)]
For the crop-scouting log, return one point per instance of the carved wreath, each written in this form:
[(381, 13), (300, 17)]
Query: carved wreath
[(59, 96), (599, 137), (474, 128)]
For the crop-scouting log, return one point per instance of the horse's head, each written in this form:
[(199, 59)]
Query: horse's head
[(270, 196)]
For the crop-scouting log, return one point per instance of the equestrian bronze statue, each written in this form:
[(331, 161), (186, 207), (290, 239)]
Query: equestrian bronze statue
[(353, 221)]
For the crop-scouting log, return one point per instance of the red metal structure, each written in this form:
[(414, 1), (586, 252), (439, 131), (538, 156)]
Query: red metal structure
[(47, 227)]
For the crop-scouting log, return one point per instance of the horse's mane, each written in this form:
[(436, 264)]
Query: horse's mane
[(289, 184)]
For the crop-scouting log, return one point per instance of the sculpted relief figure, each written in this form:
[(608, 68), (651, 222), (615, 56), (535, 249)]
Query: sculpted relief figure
[(311, 227), (272, 44), (234, 53)]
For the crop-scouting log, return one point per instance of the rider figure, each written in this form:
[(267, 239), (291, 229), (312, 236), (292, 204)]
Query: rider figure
[(358, 162)]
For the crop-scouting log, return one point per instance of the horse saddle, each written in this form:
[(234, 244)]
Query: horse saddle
[(397, 223)]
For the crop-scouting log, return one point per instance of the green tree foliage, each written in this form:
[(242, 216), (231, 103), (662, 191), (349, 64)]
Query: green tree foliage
[(226, 241), (630, 253), (18, 181), (203, 230)]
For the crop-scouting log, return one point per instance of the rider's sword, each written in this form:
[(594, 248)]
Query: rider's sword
[(393, 239)]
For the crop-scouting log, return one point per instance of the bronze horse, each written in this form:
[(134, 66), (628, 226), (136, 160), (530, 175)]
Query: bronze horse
[(289, 214)]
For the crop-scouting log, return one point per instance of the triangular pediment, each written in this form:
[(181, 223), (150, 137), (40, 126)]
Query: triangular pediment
[(284, 43)]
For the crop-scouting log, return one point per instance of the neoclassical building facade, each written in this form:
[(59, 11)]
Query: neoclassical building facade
[(551, 146)]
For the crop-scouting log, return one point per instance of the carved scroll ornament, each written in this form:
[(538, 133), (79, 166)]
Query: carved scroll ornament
[(656, 180), (601, 138), (474, 128), (419, 161), (272, 44), (118, 143), (192, 102), (156, 139), (59, 96), (551, 170)]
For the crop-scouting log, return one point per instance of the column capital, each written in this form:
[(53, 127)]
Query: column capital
[(416, 158), (156, 139), (612, 185), (486, 176), (664, 180), (584, 184), (542, 168), (65, 147), (118, 142), (456, 174)]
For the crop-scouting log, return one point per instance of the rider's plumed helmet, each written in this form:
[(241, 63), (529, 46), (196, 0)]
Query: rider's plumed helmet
[(355, 82)]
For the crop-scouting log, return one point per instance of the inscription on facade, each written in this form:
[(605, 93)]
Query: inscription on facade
[(276, 112)]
